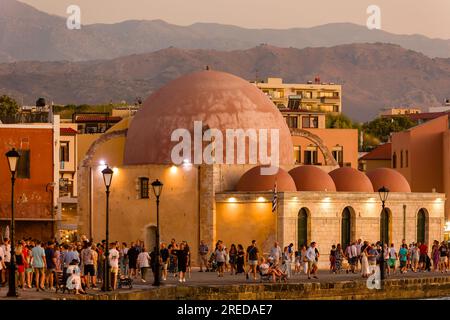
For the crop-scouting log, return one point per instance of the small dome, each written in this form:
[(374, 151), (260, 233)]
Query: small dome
[(253, 180), (390, 178), (311, 178), (351, 180)]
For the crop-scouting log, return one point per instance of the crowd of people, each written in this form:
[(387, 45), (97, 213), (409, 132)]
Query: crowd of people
[(80, 265), (414, 257)]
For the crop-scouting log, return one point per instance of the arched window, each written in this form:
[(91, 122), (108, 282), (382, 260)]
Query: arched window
[(347, 226), (302, 227), (421, 225)]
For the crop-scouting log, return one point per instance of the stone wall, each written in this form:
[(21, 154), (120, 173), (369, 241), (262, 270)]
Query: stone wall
[(345, 290)]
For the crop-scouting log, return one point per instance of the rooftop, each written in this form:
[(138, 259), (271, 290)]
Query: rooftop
[(382, 152)]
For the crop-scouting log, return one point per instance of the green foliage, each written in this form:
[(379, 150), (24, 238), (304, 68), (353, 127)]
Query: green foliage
[(8, 106), (382, 128), (340, 121)]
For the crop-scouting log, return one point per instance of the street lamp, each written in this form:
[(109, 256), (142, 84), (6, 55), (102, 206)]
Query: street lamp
[(384, 193), (157, 189), (13, 158), (107, 178)]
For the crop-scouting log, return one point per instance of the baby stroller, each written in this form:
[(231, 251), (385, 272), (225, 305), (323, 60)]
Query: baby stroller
[(212, 264)]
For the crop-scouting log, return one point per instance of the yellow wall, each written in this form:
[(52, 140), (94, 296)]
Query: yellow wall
[(240, 223)]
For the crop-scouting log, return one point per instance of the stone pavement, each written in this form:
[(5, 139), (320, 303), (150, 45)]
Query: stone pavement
[(197, 278)]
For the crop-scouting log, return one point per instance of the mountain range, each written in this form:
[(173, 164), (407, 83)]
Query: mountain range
[(373, 75), (29, 34)]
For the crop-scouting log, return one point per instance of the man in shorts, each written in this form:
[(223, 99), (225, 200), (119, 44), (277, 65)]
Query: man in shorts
[(87, 260), (311, 256), (50, 259), (39, 262), (252, 259)]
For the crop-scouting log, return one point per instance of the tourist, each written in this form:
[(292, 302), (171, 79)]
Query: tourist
[(220, 256), (297, 262), (403, 257), (132, 254), (182, 261), (20, 263), (252, 259), (113, 264), (50, 259), (6, 246), (392, 258), (39, 261), (74, 278), (339, 256), (443, 252), (311, 255), (27, 263), (123, 258), (415, 257), (359, 247), (372, 255), (164, 255), (351, 253), (233, 256), (435, 255), (423, 260), (333, 259), (100, 261), (143, 262), (87, 263), (285, 263), (188, 253), (365, 269), (173, 265), (203, 254), (240, 259), (304, 259), (275, 253)]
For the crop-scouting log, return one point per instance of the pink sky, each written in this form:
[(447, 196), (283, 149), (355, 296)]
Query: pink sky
[(430, 18)]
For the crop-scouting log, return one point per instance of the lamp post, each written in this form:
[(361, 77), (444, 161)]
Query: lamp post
[(384, 193), (13, 158), (157, 189), (107, 178)]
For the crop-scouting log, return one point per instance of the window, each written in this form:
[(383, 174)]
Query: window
[(298, 154), (338, 154), (143, 183), (23, 166), (335, 108), (293, 104), (291, 121), (310, 122), (310, 155), (401, 159), (64, 152), (406, 159), (394, 160)]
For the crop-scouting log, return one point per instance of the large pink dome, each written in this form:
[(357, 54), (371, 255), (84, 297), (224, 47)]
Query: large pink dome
[(253, 180), (220, 100), (311, 178), (351, 180), (389, 178)]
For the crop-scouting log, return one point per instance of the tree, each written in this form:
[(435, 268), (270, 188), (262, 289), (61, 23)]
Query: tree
[(339, 121), (382, 128), (8, 107)]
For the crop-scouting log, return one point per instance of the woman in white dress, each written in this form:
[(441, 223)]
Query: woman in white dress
[(365, 269), (74, 280)]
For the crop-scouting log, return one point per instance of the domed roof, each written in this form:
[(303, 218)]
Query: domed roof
[(253, 180), (390, 178), (311, 178), (351, 180), (220, 100)]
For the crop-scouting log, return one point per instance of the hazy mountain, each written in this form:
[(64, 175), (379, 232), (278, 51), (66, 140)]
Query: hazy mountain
[(29, 34), (373, 75)]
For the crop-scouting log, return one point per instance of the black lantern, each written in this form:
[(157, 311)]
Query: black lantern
[(107, 179)]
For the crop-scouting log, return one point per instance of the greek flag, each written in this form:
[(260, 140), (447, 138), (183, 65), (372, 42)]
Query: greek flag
[(274, 199)]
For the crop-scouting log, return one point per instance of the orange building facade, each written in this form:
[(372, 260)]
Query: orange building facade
[(35, 187)]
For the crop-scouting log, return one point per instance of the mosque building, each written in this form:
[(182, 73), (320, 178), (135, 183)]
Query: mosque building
[(233, 201)]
